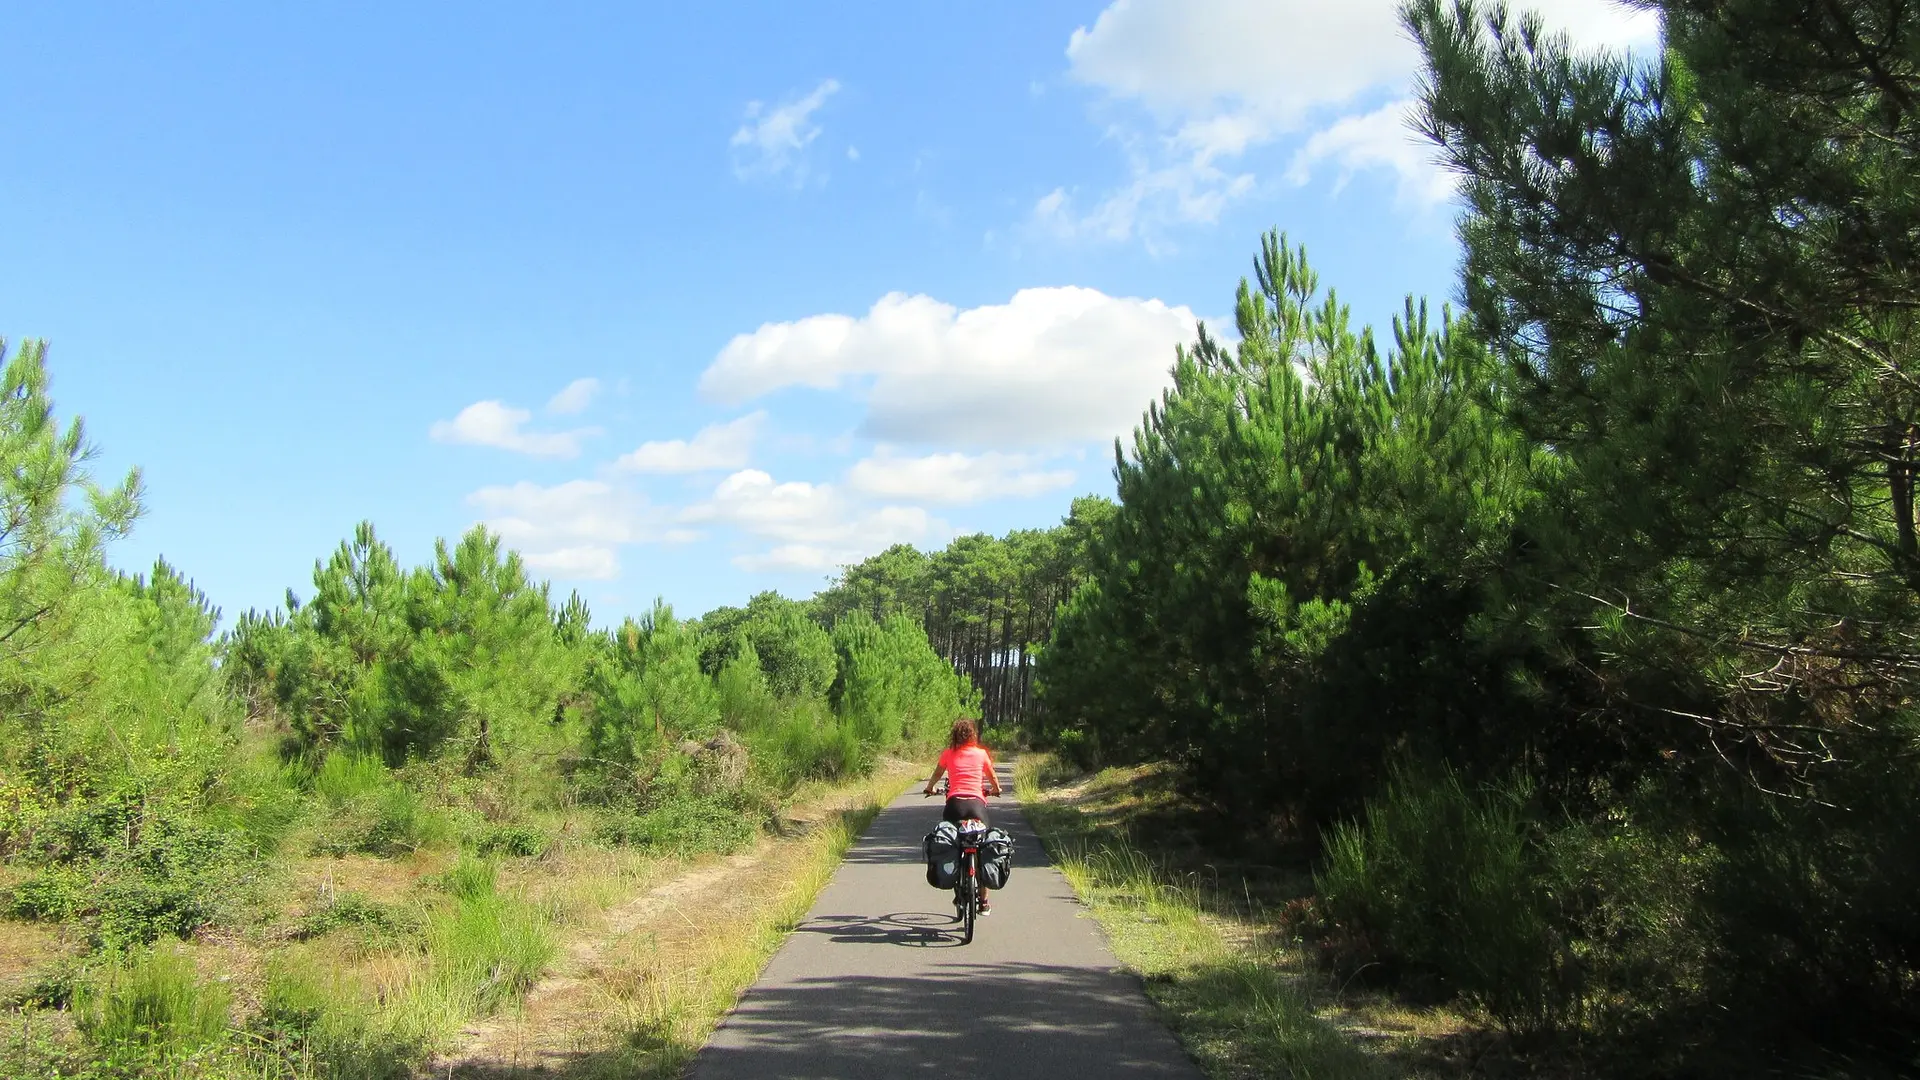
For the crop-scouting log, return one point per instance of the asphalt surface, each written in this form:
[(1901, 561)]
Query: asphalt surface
[(876, 983)]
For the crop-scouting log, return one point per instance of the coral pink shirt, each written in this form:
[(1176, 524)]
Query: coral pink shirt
[(966, 771)]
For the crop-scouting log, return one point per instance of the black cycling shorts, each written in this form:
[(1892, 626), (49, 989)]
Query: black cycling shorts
[(962, 807)]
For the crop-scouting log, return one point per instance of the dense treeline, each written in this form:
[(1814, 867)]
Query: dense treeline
[(1586, 622), (158, 779), (985, 602), (469, 664)]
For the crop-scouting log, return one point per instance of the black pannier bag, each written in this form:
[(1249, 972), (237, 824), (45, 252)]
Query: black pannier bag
[(942, 849), (996, 859)]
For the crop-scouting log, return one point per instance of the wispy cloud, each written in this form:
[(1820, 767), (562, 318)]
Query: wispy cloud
[(1381, 139), (575, 398), (490, 423), (1189, 92), (954, 478), (716, 446), (772, 142)]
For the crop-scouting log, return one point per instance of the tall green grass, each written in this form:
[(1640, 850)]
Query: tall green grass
[(150, 1007), (1034, 772), (346, 777), (315, 1025), (484, 951), (370, 810)]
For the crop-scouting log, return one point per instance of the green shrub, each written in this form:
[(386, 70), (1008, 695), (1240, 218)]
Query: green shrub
[(346, 777), (370, 811), (351, 909), (1812, 911), (34, 1046), (689, 825), (57, 892), (262, 803), (1079, 746), (1632, 892), (470, 879), (402, 822), (523, 841), (176, 876), (56, 984), (810, 743), (1451, 881)]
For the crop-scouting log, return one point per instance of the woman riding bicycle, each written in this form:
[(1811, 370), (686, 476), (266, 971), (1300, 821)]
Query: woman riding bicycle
[(970, 779)]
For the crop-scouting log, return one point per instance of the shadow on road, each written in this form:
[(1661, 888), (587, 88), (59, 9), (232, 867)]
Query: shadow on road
[(974, 1020), (915, 929)]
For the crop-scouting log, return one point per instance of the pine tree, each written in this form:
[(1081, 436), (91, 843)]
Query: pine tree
[(1699, 273)]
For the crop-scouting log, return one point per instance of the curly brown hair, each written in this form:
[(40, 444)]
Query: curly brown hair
[(963, 733)]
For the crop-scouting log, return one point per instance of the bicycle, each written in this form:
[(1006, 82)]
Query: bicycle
[(966, 887)]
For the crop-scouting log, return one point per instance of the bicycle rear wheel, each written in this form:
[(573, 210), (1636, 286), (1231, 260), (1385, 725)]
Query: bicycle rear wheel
[(971, 884)]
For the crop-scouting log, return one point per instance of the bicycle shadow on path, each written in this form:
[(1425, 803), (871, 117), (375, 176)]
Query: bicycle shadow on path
[(913, 929)]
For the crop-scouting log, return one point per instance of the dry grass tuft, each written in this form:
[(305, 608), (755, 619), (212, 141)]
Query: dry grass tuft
[(26, 948)]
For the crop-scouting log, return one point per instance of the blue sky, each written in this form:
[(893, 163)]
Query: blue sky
[(685, 300)]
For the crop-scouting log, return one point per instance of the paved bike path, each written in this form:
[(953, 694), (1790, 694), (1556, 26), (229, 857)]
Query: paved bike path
[(876, 983)]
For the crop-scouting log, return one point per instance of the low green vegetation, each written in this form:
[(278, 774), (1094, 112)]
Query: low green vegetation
[(1209, 953), (672, 994), (321, 843)]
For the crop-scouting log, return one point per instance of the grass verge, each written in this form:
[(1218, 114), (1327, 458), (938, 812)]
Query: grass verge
[(383, 964), (645, 1002), (679, 995), (1237, 998)]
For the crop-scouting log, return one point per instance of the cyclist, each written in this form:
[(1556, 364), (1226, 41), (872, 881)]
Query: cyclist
[(970, 779)]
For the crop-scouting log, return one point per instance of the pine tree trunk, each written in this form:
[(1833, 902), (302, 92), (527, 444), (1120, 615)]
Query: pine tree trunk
[(1026, 672), (1900, 483), (1005, 658)]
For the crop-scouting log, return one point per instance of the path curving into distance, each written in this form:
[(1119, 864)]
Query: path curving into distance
[(876, 983)]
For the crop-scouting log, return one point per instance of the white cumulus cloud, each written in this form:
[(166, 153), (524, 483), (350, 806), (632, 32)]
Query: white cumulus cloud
[(571, 530), (490, 423), (771, 141), (1268, 60), (1214, 80), (716, 446), (954, 478), (809, 526), (575, 398), (1051, 366)]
